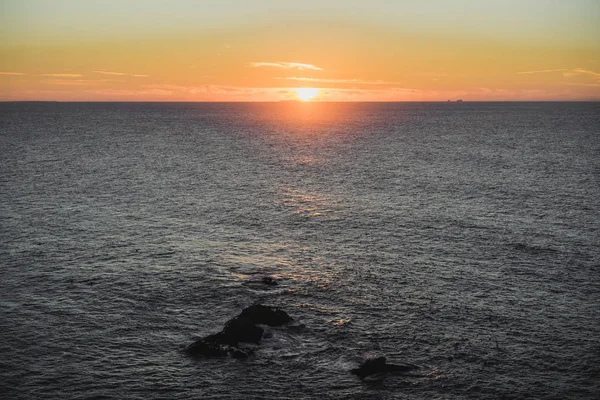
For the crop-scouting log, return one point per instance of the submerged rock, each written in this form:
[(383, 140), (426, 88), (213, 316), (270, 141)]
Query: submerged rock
[(240, 353), (269, 280), (380, 366), (239, 329)]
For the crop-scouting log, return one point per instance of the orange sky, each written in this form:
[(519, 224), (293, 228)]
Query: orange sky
[(261, 50)]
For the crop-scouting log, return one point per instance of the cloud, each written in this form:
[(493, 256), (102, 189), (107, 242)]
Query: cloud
[(581, 71), (592, 77), (286, 65), (110, 73), (76, 81), (568, 73), (543, 71), (133, 94), (211, 89), (583, 84), (63, 75), (12, 73), (120, 74), (167, 92), (351, 81)]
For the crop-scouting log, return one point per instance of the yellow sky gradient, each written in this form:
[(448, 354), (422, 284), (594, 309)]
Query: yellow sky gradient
[(264, 60)]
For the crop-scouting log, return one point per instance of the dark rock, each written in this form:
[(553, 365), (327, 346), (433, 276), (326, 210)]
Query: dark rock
[(370, 367), (242, 329), (239, 329), (211, 346), (264, 315), (380, 366), (269, 280)]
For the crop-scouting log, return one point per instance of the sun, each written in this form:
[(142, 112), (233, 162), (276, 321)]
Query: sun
[(306, 94)]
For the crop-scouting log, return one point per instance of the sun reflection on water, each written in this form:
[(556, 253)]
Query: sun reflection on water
[(304, 204)]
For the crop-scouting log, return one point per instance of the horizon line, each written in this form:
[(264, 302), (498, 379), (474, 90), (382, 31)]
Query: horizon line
[(302, 102)]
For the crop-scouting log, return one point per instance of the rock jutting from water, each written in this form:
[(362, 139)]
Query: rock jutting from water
[(379, 365), (241, 329)]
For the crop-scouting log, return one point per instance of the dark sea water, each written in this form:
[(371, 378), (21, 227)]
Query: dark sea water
[(460, 237)]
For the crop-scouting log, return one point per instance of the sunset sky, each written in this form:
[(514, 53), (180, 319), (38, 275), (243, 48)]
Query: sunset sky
[(262, 50)]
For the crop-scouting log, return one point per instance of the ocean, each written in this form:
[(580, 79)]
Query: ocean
[(460, 237)]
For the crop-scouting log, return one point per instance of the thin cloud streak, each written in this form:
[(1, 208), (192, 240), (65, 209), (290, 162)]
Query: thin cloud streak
[(569, 73), (76, 81), (219, 89), (565, 71), (63, 75), (543, 71), (120, 74), (581, 71), (286, 65), (351, 81), (110, 73), (12, 73), (167, 92), (583, 84)]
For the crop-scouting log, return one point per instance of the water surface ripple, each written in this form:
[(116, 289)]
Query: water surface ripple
[(460, 237)]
